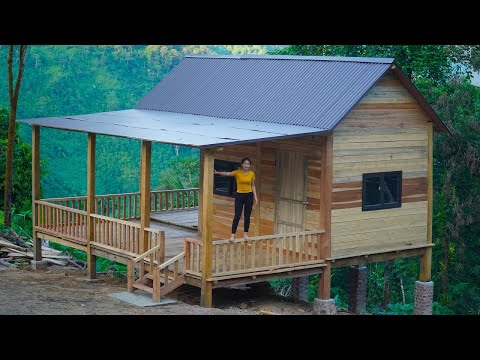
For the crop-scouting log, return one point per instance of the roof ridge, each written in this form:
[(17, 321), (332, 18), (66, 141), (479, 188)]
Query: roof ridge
[(358, 59)]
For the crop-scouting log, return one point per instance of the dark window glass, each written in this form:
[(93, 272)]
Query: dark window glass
[(372, 191), (390, 189), (224, 185), (382, 190)]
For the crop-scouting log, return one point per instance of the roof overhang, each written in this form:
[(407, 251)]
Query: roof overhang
[(438, 124), (174, 128)]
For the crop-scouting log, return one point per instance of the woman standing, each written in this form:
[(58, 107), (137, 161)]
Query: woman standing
[(245, 197)]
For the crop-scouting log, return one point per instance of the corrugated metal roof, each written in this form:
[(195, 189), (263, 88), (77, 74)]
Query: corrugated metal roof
[(174, 128), (210, 101), (311, 91)]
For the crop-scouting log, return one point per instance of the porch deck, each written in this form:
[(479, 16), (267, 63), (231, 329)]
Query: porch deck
[(187, 218), (172, 254)]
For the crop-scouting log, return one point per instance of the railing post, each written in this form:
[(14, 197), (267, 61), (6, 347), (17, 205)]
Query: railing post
[(91, 259), (37, 243), (207, 230), (156, 284), (145, 194), (326, 214), (200, 193), (162, 247), (130, 276), (186, 250)]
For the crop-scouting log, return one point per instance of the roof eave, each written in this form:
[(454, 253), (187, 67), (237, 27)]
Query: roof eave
[(438, 124)]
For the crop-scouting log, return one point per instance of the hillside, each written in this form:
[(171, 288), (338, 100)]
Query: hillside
[(67, 80)]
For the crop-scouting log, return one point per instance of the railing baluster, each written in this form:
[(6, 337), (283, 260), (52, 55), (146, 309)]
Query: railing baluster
[(253, 254), (224, 257), (197, 250), (187, 254), (192, 255), (305, 248)]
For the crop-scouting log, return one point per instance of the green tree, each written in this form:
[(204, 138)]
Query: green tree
[(13, 93), (21, 190), (441, 74)]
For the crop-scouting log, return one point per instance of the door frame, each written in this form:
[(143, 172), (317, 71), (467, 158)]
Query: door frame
[(278, 184)]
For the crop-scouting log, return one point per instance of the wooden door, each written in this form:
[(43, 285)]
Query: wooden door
[(291, 199)]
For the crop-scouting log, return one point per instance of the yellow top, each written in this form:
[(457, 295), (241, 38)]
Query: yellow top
[(244, 180)]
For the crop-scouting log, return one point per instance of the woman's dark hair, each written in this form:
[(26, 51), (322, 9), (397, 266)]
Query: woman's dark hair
[(246, 159)]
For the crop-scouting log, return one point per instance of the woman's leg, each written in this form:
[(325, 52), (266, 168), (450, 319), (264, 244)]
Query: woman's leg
[(238, 214), (248, 212)]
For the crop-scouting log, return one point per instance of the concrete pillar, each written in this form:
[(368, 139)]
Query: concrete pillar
[(423, 298), (324, 307), (300, 288), (358, 290), (39, 265)]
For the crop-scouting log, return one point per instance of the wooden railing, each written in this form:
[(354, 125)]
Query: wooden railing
[(171, 278), (61, 221), (178, 199), (127, 206), (168, 273), (124, 235), (260, 253), (154, 255), (193, 256)]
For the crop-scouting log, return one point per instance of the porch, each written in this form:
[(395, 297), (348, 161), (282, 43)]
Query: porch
[(174, 251)]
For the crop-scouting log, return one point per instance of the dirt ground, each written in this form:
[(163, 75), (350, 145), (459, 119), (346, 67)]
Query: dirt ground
[(66, 291)]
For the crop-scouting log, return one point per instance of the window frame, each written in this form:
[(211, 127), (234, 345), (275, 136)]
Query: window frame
[(382, 204), (225, 165)]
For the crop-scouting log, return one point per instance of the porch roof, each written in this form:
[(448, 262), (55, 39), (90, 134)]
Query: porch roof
[(175, 128)]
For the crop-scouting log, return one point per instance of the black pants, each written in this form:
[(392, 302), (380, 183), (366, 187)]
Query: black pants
[(241, 200)]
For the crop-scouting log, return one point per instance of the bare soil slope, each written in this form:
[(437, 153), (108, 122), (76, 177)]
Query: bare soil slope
[(66, 291)]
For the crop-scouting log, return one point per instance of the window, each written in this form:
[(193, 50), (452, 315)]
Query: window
[(224, 185), (382, 190)]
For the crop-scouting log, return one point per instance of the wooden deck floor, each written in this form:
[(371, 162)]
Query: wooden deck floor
[(174, 237), (185, 218)]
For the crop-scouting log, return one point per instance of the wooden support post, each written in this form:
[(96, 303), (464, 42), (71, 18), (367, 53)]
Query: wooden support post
[(325, 215), (145, 170), (130, 275), (91, 206), (156, 283), (200, 193), (258, 186), (207, 228), (426, 261), (37, 243)]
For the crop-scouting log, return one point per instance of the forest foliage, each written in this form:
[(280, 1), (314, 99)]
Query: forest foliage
[(441, 73), (66, 80), (69, 80)]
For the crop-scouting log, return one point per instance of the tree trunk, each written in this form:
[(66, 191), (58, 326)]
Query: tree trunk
[(13, 96), (386, 283), (446, 245)]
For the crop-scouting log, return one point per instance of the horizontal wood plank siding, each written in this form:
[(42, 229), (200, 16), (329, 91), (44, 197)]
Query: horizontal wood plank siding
[(386, 131), (224, 206)]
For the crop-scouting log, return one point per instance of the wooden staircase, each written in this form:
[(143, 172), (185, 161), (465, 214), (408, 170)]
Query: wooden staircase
[(154, 276)]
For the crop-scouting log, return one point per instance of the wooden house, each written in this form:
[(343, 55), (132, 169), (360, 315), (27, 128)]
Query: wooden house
[(341, 148)]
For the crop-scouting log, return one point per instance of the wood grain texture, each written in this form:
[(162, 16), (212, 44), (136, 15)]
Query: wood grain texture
[(145, 173), (37, 243), (386, 131), (207, 228), (91, 208), (324, 283), (426, 262), (264, 166)]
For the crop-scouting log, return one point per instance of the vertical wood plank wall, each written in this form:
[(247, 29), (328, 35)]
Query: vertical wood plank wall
[(386, 131), (224, 206)]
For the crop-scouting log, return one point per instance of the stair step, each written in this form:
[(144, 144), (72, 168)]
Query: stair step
[(150, 276), (143, 287)]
